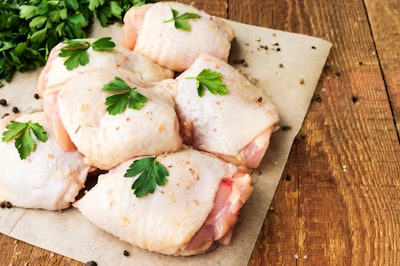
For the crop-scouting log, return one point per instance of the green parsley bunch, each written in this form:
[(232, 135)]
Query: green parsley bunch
[(30, 29)]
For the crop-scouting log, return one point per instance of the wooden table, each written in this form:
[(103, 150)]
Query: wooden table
[(338, 201)]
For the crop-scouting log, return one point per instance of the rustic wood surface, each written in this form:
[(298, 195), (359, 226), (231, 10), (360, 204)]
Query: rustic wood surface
[(338, 201)]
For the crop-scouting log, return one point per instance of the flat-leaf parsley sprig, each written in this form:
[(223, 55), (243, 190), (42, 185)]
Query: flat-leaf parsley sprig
[(152, 173), (126, 97), (76, 51), (181, 21), (21, 133), (109, 11), (211, 80)]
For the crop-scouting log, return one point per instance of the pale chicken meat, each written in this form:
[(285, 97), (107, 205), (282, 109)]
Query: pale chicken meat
[(196, 208), (106, 140), (55, 74), (236, 126), (148, 30), (48, 178)]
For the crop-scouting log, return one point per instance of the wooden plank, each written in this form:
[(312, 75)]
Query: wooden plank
[(217, 8), (350, 155), (15, 252), (384, 17), (346, 180)]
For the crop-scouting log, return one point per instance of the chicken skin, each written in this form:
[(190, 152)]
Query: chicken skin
[(48, 178), (55, 74), (105, 139), (149, 30), (197, 206), (236, 126)]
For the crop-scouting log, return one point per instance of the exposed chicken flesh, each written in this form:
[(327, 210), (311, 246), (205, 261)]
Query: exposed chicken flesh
[(198, 205), (48, 178), (107, 140), (236, 126), (146, 32)]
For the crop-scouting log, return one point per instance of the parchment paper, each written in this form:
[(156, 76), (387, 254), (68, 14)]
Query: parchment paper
[(286, 65)]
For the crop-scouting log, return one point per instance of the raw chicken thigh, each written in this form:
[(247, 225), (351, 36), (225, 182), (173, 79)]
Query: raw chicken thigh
[(107, 140), (236, 126), (48, 178), (55, 73), (147, 32), (140, 69), (197, 206)]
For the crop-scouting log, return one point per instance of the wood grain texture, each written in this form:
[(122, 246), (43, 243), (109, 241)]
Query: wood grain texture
[(384, 17), (347, 153), (15, 252), (338, 199), (217, 8)]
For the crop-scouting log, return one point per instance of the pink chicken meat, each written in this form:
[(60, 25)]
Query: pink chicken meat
[(48, 178), (148, 30), (236, 126), (203, 196)]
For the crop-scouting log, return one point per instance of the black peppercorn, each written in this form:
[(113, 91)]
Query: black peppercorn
[(6, 204), (15, 110)]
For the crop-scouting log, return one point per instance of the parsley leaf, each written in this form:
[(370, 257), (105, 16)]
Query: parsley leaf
[(152, 173), (107, 12), (181, 22), (76, 51), (127, 97), (211, 80), (21, 132), (103, 44)]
